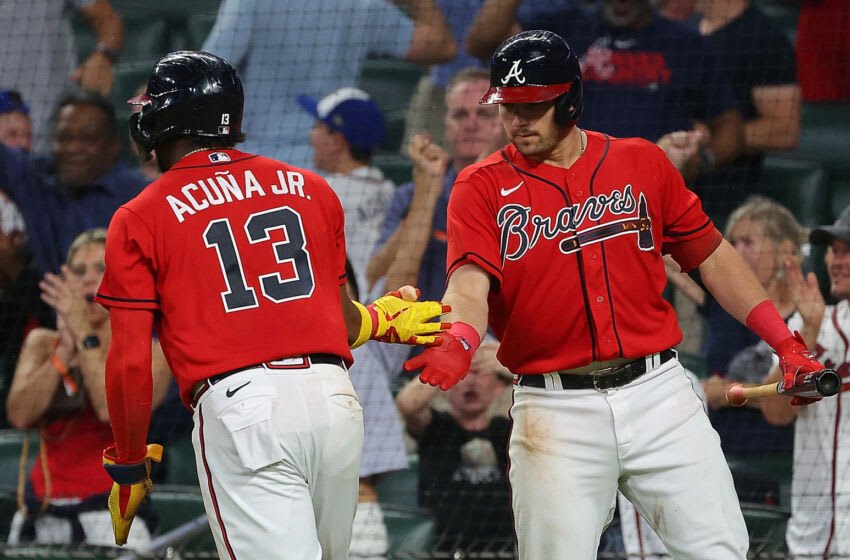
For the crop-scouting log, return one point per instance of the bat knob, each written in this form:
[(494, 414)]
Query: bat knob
[(735, 395), (828, 383)]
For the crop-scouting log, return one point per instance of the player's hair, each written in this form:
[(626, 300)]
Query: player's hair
[(93, 99), (778, 222), (96, 235), (468, 74)]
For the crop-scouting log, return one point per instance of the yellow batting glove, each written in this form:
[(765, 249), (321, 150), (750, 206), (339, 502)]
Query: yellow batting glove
[(131, 487), (398, 318)]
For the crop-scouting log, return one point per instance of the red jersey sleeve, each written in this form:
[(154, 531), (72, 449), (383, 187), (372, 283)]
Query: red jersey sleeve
[(472, 228), (129, 279), (689, 235)]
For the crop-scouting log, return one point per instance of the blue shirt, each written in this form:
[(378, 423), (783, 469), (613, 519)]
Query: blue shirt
[(646, 82), (54, 215), (283, 49), (432, 272)]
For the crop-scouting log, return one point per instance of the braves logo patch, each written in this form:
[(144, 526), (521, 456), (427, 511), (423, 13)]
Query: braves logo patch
[(521, 230)]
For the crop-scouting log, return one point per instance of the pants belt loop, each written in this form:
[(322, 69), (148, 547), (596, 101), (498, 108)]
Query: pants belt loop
[(553, 382)]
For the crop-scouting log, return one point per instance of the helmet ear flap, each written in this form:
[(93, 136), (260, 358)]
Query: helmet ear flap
[(568, 105), (141, 136)]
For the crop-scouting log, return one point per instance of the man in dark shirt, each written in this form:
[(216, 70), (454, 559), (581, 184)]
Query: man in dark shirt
[(643, 75), (463, 457), (78, 187), (759, 60)]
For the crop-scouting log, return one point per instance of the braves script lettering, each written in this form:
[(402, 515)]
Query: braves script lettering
[(514, 220)]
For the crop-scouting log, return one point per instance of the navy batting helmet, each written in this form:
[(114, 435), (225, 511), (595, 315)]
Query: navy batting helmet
[(189, 93), (536, 66)]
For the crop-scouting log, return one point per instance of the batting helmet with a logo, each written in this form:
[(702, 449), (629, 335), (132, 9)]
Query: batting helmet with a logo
[(189, 93), (536, 66)]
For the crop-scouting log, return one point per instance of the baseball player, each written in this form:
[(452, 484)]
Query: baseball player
[(558, 238), (820, 488), (238, 262)]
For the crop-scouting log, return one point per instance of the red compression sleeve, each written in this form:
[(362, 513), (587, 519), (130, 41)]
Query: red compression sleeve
[(129, 382), (765, 321)]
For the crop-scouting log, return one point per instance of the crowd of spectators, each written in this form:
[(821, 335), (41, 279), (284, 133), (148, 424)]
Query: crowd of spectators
[(717, 84)]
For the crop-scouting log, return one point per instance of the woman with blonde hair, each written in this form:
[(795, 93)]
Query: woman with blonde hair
[(58, 390)]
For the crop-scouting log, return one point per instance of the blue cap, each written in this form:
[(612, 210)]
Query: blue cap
[(11, 101), (352, 113)]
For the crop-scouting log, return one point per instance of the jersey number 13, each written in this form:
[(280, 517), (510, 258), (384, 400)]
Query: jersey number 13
[(238, 296)]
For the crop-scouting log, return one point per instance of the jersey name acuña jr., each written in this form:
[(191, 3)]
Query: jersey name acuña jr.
[(243, 256)]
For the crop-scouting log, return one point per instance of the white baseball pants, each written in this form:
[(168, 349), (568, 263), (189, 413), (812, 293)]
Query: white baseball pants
[(278, 457), (570, 450)]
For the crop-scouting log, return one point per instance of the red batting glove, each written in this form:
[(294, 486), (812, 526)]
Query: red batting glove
[(447, 363), (795, 358)]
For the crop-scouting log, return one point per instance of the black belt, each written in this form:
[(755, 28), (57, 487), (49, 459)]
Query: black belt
[(202, 386), (603, 379)]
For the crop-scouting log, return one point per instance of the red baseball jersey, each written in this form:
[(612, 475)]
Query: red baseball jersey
[(576, 253), (242, 256)]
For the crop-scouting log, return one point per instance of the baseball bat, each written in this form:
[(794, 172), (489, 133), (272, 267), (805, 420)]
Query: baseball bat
[(824, 383)]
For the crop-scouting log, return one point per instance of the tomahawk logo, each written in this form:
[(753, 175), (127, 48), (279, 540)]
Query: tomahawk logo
[(515, 73), (521, 229)]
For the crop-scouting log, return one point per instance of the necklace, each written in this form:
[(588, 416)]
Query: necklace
[(582, 140), (199, 150)]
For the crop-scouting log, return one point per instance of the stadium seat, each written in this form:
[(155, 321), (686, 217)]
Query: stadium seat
[(180, 456), (176, 507), (396, 167), (10, 456), (390, 82), (198, 26), (825, 134), (695, 363), (165, 8), (801, 186), (410, 530), (840, 194), (766, 527), (401, 487)]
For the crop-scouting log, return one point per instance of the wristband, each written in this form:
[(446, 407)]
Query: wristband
[(466, 333), (368, 324), (764, 320), (58, 365), (68, 380)]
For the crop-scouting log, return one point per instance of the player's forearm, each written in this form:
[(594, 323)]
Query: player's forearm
[(129, 385), (492, 24), (731, 281), (467, 295)]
